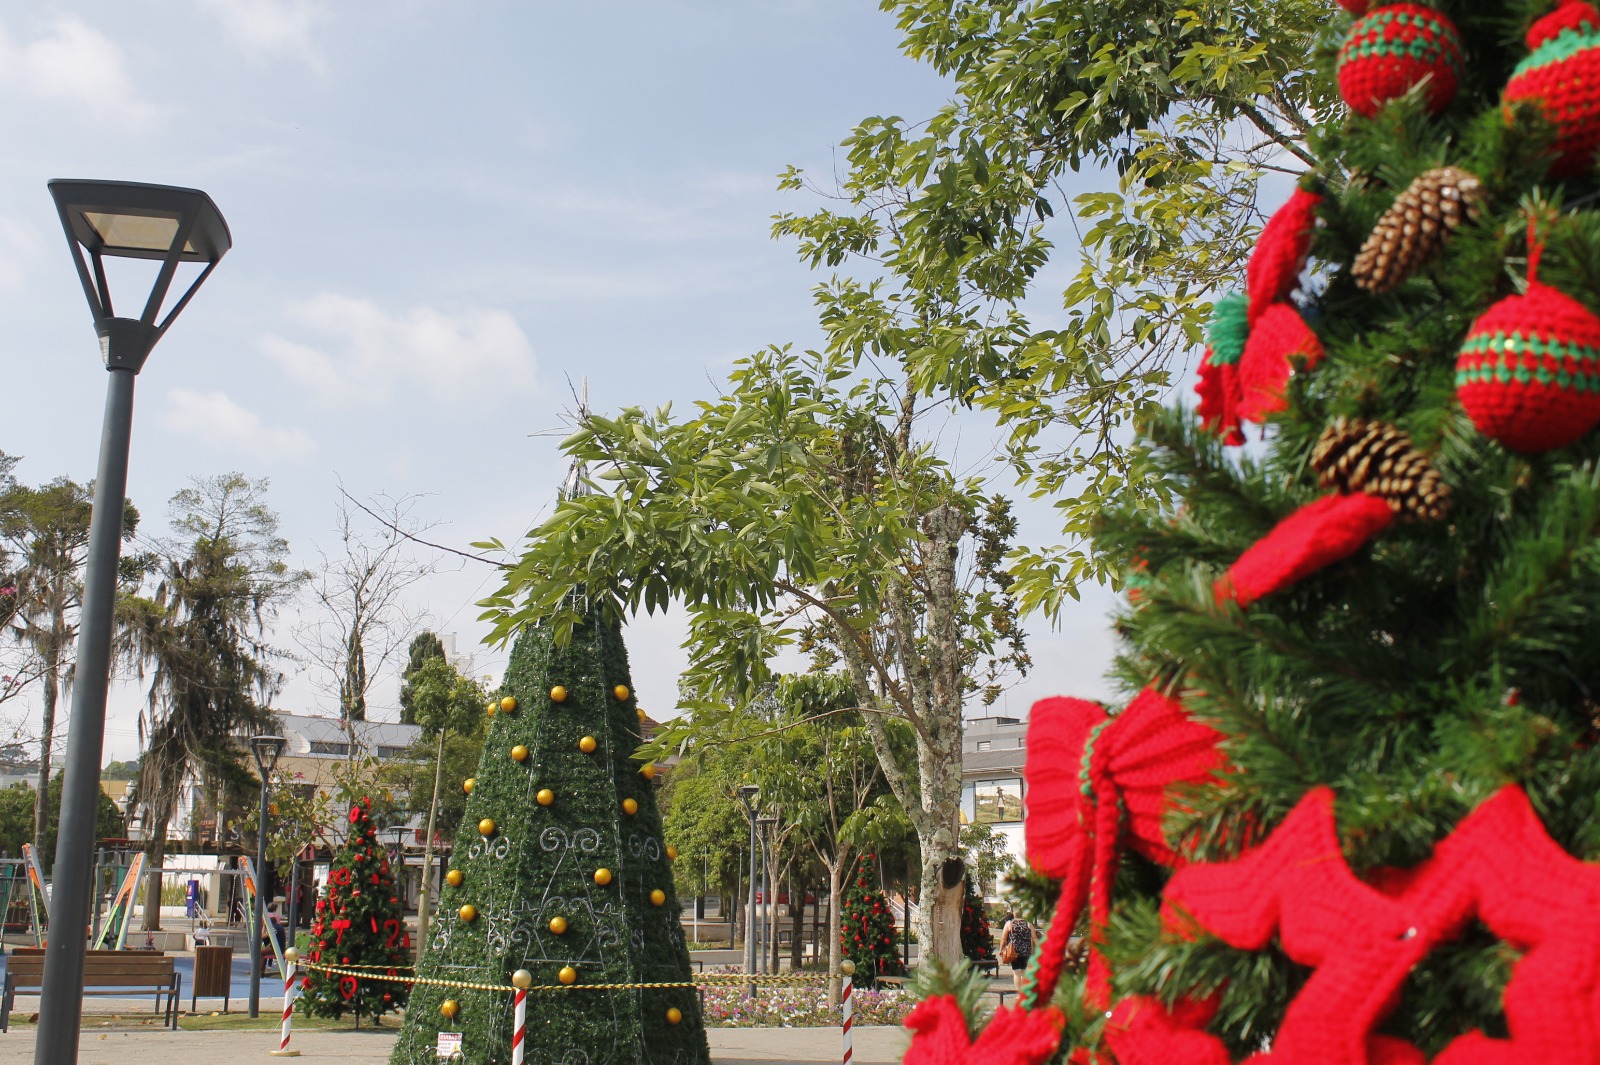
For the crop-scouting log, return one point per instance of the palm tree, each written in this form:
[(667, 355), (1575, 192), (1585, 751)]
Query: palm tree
[(200, 639)]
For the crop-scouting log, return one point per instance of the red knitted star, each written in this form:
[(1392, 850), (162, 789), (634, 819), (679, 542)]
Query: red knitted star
[(1362, 940), (1012, 1037)]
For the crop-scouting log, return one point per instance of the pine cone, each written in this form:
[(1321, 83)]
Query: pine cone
[(1376, 458), (1416, 226)]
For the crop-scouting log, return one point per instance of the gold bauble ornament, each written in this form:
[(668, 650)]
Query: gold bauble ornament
[(672, 853), (492, 707), (455, 878), (509, 704), (486, 827), (558, 926), (450, 1007), (469, 913), (567, 975), (674, 1015), (621, 692), (468, 784), (648, 772), (641, 714), (545, 797), (658, 897), (519, 753), (629, 806), (558, 694), (522, 979), (587, 744), (602, 877)]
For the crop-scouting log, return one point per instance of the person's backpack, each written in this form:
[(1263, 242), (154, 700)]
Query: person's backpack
[(1021, 938)]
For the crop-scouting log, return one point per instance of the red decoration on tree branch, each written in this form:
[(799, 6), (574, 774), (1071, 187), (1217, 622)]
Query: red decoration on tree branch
[(1317, 535), (1012, 1037)]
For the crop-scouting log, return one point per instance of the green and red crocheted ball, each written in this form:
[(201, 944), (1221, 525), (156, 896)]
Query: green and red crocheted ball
[(1562, 76), (1393, 49), (1529, 371)]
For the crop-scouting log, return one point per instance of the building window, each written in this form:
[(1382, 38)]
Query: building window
[(996, 801), (984, 745), (393, 752), (327, 747)]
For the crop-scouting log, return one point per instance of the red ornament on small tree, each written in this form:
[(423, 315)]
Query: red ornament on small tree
[(1392, 50)]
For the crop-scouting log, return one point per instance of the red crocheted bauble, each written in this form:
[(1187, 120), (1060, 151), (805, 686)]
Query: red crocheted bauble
[(1529, 372), (1392, 50), (1562, 75)]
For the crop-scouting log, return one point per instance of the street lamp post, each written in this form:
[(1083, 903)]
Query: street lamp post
[(118, 219), (747, 797), (769, 891), (267, 750)]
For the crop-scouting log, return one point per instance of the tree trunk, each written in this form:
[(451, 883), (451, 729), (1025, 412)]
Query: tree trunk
[(427, 852), (797, 924), (155, 853), (47, 729), (835, 947)]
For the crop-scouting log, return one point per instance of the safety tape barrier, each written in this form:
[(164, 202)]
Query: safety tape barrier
[(712, 980)]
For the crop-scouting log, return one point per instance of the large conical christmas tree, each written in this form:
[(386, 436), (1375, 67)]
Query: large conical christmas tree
[(357, 924), (1351, 815), (559, 869)]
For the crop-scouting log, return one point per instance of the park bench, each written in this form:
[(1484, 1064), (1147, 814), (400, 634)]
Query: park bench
[(121, 973)]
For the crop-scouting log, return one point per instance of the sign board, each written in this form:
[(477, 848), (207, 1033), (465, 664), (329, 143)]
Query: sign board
[(449, 1048)]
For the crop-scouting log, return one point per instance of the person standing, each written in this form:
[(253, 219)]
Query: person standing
[(1016, 947)]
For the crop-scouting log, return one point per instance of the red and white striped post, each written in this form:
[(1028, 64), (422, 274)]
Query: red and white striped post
[(522, 979), (290, 956), (848, 968)]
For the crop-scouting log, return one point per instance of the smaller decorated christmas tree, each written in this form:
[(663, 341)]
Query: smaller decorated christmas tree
[(977, 942), (358, 925), (867, 929)]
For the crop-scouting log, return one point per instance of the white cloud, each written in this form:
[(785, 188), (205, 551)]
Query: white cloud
[(365, 352), (264, 26), (75, 64), (213, 417)]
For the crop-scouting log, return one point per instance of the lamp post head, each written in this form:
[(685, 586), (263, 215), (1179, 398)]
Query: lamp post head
[(132, 220), (747, 797), (267, 749)]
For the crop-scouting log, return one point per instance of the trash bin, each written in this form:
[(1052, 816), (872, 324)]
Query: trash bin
[(213, 974)]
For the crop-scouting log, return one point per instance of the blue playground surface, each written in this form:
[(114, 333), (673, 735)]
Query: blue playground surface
[(271, 983)]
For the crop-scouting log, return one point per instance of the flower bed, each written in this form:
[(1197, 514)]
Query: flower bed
[(799, 1007)]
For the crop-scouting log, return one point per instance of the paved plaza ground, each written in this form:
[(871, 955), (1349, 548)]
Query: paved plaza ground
[(729, 1046)]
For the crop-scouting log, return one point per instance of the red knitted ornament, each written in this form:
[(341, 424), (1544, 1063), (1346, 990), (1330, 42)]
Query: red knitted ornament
[(1562, 75), (1013, 1037), (1281, 252), (1529, 371), (1092, 782), (1392, 50), (1363, 940), (1356, 7), (1317, 535), (1280, 343), (1218, 389)]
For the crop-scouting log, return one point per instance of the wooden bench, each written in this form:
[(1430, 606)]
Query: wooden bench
[(113, 972)]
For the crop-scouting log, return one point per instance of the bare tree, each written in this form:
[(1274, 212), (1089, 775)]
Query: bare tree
[(362, 618)]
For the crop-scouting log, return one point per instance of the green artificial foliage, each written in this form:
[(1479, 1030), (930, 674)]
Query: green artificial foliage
[(538, 864), (358, 924), (866, 928), (1439, 662), (977, 941)]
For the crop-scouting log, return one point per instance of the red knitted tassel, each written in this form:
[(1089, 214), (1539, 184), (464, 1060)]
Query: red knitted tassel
[(1281, 252), (1013, 1037), (1280, 343), (1317, 535)]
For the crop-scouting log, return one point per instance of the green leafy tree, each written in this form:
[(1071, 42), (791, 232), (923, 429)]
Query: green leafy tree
[(799, 509), (17, 804), (424, 645), (46, 532), (199, 635), (987, 855), (358, 924), (560, 869), (702, 818), (1133, 132)]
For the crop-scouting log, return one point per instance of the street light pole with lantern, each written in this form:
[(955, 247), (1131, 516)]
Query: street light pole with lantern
[(267, 751), (126, 220), (747, 798)]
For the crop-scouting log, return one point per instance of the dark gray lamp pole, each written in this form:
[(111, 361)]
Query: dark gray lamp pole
[(769, 891), (747, 797), (267, 750), (120, 219)]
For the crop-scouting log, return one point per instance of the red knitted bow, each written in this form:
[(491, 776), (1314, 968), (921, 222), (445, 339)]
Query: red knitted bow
[(1013, 1037), (1091, 777)]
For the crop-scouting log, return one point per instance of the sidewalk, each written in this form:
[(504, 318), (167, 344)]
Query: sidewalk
[(729, 1046)]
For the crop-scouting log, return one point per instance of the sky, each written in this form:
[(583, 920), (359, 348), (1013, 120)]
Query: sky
[(444, 217)]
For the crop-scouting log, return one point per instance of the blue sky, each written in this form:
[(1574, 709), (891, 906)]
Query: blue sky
[(442, 213)]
